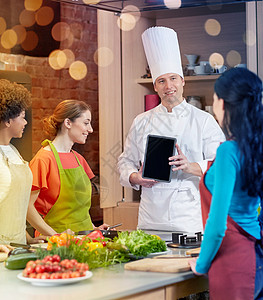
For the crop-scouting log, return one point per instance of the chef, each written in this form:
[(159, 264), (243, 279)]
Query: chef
[(173, 206)]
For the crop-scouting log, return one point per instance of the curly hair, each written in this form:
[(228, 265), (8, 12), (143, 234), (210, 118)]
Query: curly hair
[(14, 98), (241, 91), (67, 109)]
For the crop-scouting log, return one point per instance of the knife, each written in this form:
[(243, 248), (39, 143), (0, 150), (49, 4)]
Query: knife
[(25, 246)]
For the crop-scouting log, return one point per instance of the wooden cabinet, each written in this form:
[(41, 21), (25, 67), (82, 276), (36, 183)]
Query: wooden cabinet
[(122, 91)]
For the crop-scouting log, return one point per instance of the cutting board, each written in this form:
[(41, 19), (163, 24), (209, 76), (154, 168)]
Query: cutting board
[(171, 265)]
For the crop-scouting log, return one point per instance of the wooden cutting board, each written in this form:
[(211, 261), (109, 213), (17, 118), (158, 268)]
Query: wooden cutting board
[(171, 265)]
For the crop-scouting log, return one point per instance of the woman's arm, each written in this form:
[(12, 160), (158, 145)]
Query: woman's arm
[(34, 218)]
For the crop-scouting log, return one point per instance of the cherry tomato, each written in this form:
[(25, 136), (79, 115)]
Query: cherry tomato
[(45, 275), (56, 258), (75, 274), (65, 275), (73, 262), (47, 258), (40, 269), (33, 275), (31, 263), (29, 270)]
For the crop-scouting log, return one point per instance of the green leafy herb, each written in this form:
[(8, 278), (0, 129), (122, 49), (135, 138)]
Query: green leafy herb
[(100, 257), (140, 243)]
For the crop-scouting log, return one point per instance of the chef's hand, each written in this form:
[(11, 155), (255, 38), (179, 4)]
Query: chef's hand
[(180, 162), (5, 248), (192, 264), (136, 178)]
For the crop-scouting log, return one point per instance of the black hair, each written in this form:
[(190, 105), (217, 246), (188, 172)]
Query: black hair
[(241, 91)]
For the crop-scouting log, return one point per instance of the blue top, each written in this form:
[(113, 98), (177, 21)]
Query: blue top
[(223, 181)]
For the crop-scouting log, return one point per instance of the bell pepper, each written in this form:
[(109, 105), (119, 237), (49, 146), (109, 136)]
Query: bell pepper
[(93, 245), (95, 235)]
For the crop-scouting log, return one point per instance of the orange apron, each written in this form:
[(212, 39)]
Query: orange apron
[(71, 210)]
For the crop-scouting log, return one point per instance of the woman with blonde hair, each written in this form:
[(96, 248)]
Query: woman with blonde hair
[(61, 192), (15, 175)]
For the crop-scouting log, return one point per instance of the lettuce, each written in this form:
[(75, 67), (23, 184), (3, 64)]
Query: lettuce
[(140, 243)]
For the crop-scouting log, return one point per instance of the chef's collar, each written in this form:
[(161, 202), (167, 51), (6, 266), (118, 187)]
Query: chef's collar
[(176, 109)]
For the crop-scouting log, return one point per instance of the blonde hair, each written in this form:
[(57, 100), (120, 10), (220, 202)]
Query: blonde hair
[(67, 109), (14, 98)]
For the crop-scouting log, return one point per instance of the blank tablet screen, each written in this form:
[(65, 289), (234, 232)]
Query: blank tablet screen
[(156, 164)]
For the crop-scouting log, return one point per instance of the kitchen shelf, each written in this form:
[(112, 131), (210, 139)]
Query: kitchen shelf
[(186, 78)]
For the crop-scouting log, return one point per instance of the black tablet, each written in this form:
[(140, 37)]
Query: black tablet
[(156, 164)]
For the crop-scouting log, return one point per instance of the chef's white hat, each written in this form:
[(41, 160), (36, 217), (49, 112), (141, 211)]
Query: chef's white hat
[(162, 51)]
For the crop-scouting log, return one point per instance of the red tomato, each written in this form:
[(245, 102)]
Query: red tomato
[(47, 258), (64, 262), (65, 275), (33, 275), (29, 270), (48, 268), (31, 263), (75, 274), (56, 258), (40, 269), (39, 275), (73, 262), (45, 275)]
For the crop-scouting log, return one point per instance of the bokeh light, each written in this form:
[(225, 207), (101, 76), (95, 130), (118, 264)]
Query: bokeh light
[(2, 25), (103, 57), (60, 31), (173, 4), (250, 38), (27, 18), (67, 43), (32, 5), (233, 58), (126, 22), (20, 32), (44, 15), (91, 1), (76, 29), (216, 60), (212, 27), (70, 57), (30, 41), (57, 59), (9, 39), (78, 70), (132, 10)]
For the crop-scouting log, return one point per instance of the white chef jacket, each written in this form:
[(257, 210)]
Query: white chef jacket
[(173, 206)]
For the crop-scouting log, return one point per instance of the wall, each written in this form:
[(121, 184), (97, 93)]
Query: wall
[(49, 86)]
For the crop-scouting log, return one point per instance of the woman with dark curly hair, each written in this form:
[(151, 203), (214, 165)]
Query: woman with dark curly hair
[(231, 251), (15, 175)]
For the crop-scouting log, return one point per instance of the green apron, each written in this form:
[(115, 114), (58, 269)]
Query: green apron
[(71, 210)]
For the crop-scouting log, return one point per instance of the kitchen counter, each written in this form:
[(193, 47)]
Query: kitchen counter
[(106, 283)]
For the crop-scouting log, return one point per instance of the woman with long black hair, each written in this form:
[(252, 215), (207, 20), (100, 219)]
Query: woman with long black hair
[(231, 251)]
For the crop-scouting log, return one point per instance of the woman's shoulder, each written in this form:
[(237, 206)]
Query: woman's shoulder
[(231, 145), (228, 149), (43, 155)]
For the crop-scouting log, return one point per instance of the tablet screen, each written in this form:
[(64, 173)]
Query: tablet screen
[(156, 164)]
